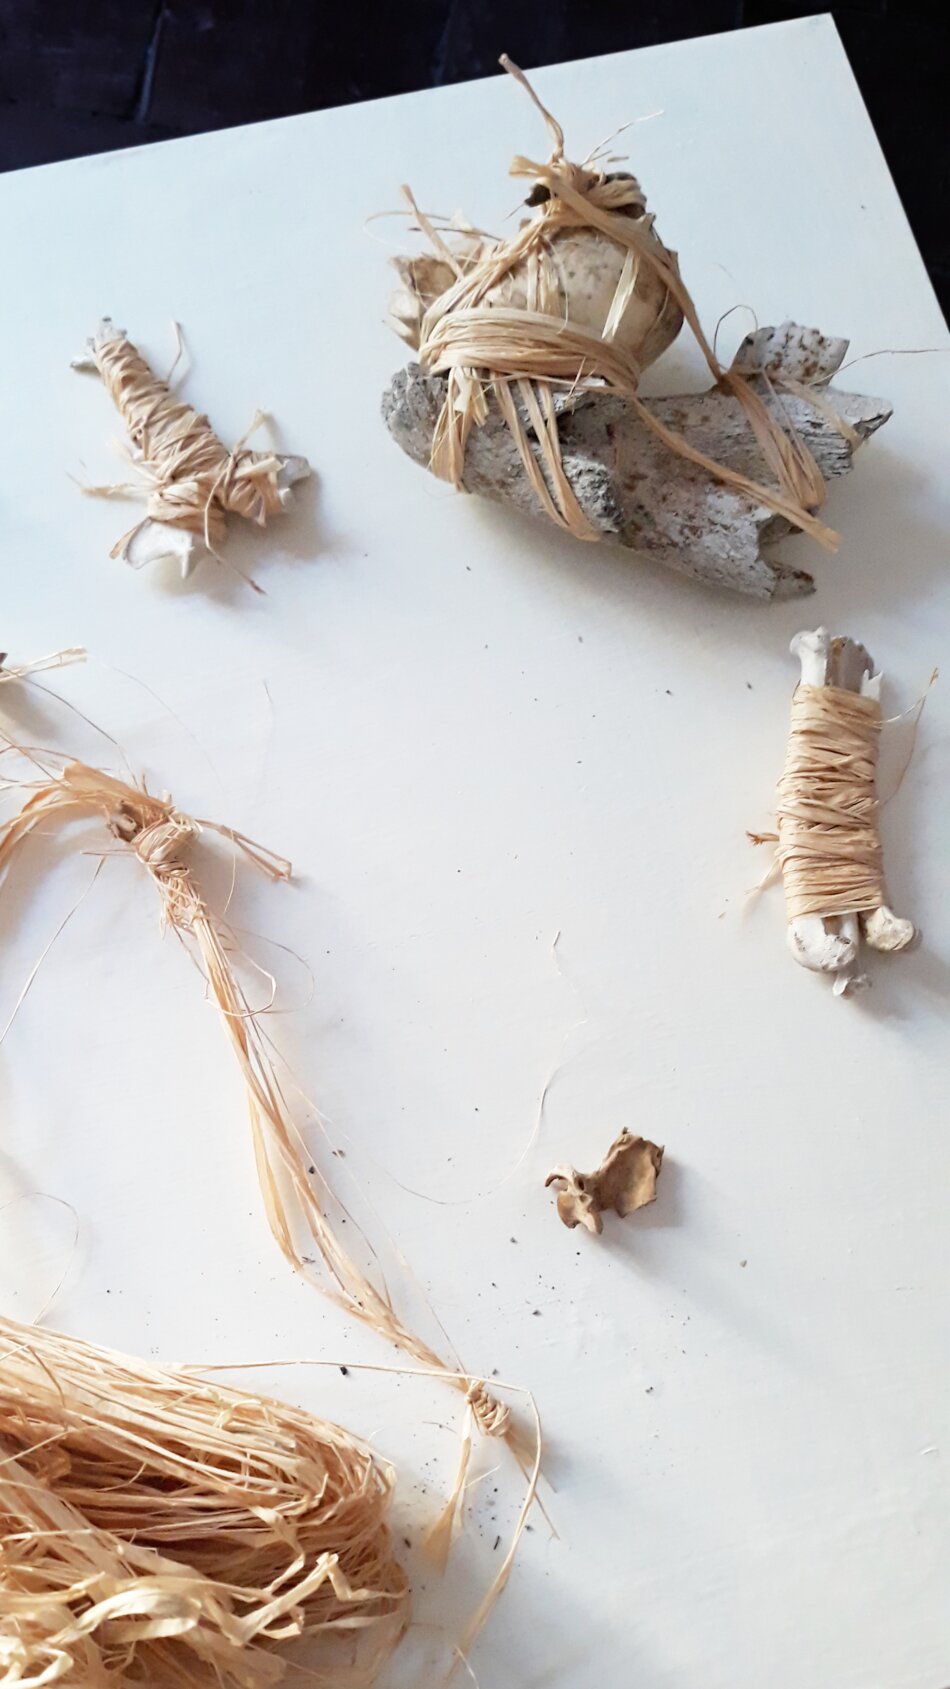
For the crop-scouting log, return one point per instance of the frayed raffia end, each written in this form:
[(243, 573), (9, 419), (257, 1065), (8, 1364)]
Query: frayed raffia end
[(494, 1419), (161, 837), (520, 356), (155, 1528), (41, 665)]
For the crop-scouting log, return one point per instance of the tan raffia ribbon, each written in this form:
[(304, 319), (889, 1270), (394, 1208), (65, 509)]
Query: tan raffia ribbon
[(829, 848), (161, 838), (520, 357), (194, 481)]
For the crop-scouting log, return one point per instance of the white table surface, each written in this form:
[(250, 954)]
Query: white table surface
[(472, 735)]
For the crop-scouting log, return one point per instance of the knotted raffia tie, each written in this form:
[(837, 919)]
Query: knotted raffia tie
[(492, 1416), (520, 356), (829, 848), (161, 846), (195, 481)]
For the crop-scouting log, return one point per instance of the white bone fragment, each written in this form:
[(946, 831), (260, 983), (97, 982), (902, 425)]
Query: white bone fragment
[(158, 542), (883, 930)]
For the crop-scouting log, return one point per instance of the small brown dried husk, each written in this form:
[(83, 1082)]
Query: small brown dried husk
[(193, 481), (158, 1529), (584, 296), (624, 1181)]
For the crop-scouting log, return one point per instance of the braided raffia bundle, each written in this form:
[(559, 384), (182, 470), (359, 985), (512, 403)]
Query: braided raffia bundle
[(584, 296), (157, 1529), (194, 482)]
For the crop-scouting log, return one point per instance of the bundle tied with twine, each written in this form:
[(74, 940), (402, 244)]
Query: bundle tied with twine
[(512, 328), (161, 838), (159, 1529), (829, 847), (194, 481)]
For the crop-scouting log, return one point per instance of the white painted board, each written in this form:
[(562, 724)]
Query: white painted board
[(472, 735)]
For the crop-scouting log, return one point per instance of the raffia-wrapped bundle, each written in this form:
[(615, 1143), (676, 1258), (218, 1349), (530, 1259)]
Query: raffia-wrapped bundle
[(193, 481), (828, 840), (583, 298), (157, 1529)]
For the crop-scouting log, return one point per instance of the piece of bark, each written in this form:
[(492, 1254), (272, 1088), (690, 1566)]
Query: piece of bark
[(636, 492), (624, 1181), (831, 944)]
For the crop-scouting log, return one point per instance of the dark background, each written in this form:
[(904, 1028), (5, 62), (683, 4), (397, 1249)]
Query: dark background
[(81, 76)]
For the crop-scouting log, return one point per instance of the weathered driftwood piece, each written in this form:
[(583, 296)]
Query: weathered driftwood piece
[(624, 1181), (832, 943), (636, 492)]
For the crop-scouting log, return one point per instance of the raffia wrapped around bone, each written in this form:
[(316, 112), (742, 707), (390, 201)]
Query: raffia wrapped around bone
[(193, 481), (582, 298), (828, 845)]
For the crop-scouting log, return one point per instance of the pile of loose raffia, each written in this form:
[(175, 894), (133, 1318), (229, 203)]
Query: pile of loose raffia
[(157, 1529), (523, 323)]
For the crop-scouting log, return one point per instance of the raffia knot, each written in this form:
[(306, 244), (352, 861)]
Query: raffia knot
[(492, 1416), (161, 847)]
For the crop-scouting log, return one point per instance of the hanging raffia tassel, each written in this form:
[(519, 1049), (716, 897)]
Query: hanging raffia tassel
[(161, 837), (194, 481), (526, 322), (158, 1529)]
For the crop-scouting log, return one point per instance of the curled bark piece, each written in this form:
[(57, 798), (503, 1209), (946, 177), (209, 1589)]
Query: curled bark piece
[(193, 481), (828, 846), (624, 1181), (635, 492)]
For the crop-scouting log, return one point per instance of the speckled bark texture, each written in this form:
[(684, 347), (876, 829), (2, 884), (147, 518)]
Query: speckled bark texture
[(636, 492)]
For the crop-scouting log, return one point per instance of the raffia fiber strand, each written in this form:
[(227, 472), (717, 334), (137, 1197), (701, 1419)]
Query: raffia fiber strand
[(159, 1529), (498, 350), (829, 848), (41, 665), (161, 837), (195, 481)]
